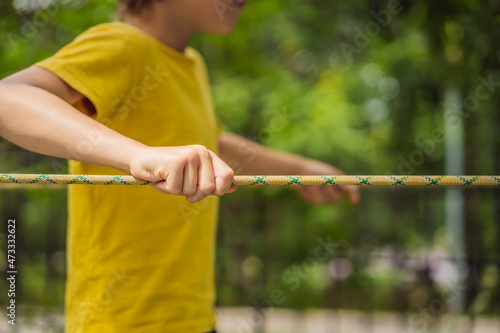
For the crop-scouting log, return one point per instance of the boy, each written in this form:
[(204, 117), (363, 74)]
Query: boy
[(133, 97)]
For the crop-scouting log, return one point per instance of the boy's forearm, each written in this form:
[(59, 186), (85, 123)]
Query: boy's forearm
[(42, 122), (247, 157)]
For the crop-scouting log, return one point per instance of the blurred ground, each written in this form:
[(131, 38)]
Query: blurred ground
[(240, 320), (246, 320)]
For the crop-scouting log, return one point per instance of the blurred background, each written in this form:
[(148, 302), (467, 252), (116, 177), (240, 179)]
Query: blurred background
[(370, 86)]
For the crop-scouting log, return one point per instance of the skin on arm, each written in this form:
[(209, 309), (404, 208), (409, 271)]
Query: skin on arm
[(36, 113), (247, 157)]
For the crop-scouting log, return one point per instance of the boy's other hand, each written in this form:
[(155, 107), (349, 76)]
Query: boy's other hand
[(191, 171), (320, 194)]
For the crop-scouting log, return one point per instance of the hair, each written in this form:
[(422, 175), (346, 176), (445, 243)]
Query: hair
[(127, 7)]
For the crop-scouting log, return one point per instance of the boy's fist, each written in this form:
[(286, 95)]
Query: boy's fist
[(192, 171)]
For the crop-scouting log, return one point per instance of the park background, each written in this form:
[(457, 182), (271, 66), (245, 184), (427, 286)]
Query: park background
[(372, 87)]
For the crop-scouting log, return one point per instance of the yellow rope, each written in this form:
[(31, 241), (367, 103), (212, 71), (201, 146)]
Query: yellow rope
[(265, 180)]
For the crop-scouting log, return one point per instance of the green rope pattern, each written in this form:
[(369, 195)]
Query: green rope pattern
[(265, 180)]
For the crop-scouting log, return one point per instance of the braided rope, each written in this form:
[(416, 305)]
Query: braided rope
[(265, 180)]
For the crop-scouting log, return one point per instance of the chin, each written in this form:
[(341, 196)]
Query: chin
[(224, 32), (224, 29)]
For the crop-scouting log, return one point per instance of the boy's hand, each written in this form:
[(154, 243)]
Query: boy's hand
[(321, 194), (192, 171)]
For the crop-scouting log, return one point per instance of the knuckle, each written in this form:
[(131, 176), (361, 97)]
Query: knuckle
[(194, 151), (180, 162), (191, 154), (228, 177), (219, 191), (189, 192), (199, 147), (207, 189), (203, 151)]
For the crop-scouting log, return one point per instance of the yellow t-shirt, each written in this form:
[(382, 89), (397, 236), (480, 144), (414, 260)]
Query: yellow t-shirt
[(139, 261)]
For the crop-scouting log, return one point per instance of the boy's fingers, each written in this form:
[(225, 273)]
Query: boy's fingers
[(223, 182), (224, 176), (232, 188), (333, 194), (190, 181), (327, 194), (353, 193), (311, 194), (175, 180), (206, 181), (192, 198), (160, 186)]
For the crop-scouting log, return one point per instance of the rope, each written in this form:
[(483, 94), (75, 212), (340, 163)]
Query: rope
[(265, 180)]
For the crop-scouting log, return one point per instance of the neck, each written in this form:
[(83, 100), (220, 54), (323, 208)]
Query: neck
[(168, 30)]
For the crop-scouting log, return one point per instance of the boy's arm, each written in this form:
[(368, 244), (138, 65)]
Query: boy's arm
[(35, 113), (247, 157)]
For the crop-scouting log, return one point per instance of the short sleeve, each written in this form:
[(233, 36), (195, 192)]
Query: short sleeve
[(96, 64)]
